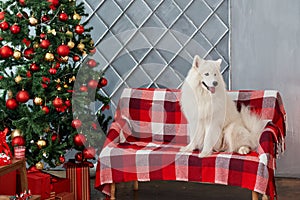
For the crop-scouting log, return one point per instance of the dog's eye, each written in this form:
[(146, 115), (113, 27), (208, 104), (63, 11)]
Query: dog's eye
[(215, 74), (206, 74)]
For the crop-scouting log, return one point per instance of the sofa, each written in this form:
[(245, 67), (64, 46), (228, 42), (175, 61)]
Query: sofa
[(149, 128)]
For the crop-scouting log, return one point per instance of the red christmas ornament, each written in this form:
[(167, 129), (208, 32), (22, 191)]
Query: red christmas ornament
[(43, 35), (79, 139), (103, 82), (45, 18), (1, 38), (52, 71), (62, 159), (2, 15), (28, 53), (83, 88), (63, 50), (76, 58), (57, 102), (11, 104), (28, 74), (93, 50), (91, 63), (105, 107), (4, 25), (54, 137), (79, 156), (94, 125), (93, 84), (46, 109), (76, 123), (15, 29), (79, 29), (57, 65), (6, 52), (18, 141), (89, 153), (68, 103), (22, 96), (22, 2), (45, 44), (54, 4), (34, 67), (63, 17)]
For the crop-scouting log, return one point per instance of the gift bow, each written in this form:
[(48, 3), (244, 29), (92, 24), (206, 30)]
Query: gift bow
[(3, 145)]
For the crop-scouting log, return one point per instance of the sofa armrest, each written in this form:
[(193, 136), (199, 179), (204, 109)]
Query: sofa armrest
[(267, 146), (118, 132)]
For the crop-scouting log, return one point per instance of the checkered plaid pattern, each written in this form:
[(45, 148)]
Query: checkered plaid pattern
[(149, 128)]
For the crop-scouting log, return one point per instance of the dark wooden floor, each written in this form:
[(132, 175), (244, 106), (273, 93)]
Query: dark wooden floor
[(287, 189)]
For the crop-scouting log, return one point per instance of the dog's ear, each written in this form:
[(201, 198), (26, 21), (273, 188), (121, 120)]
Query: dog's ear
[(218, 62), (197, 61)]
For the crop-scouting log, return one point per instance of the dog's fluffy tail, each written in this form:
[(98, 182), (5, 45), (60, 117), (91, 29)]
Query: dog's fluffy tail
[(252, 122)]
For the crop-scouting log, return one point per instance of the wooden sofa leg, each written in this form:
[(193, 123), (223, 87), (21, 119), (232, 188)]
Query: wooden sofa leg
[(255, 195), (112, 191), (135, 185)]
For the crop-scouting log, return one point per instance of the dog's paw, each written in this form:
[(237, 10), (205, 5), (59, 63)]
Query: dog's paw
[(244, 150), (204, 154), (186, 149)]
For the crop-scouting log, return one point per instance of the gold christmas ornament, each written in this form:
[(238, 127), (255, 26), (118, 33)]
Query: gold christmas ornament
[(47, 130), (53, 31), (76, 16), (69, 33), (17, 54), (15, 133), (41, 143), (33, 21), (38, 101), (71, 44), (65, 58), (65, 85), (39, 165), (80, 46), (59, 88), (18, 79), (49, 57), (36, 45), (10, 94), (57, 80), (92, 42)]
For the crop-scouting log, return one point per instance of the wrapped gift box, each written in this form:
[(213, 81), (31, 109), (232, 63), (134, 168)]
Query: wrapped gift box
[(39, 184), (79, 175), (8, 183), (59, 185), (65, 196)]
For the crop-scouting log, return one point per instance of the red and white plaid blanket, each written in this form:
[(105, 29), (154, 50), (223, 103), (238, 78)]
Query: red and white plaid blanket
[(149, 128)]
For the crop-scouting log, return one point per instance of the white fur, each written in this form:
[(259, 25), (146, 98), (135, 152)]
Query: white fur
[(214, 122)]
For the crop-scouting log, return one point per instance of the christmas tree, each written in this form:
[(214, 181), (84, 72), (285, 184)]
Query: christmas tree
[(45, 105)]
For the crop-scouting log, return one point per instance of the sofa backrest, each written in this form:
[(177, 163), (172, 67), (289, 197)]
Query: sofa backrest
[(154, 115)]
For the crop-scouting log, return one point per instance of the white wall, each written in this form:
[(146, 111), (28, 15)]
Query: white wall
[(266, 55)]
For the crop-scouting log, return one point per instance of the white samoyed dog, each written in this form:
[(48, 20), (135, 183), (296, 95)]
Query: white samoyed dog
[(214, 123)]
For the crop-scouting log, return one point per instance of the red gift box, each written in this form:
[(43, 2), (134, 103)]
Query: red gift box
[(39, 183), (8, 183), (59, 185), (79, 175)]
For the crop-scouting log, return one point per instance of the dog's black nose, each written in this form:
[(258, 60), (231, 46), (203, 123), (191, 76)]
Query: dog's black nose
[(215, 83)]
